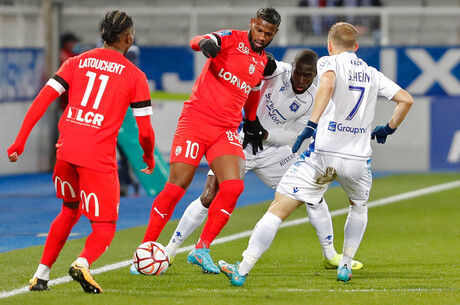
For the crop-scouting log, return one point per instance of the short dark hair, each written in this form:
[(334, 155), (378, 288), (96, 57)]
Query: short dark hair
[(113, 24), (306, 57), (270, 15)]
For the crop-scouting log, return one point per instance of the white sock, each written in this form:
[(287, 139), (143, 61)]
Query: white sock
[(353, 233), (321, 220), (82, 261), (43, 272), (193, 217), (260, 240)]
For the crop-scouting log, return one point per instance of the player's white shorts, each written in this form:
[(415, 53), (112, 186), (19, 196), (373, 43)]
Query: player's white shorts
[(309, 178), (269, 167)]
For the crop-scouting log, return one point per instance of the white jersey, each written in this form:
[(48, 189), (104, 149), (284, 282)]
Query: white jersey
[(344, 129), (280, 108)]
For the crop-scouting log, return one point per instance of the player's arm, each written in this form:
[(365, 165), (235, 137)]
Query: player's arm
[(147, 142), (142, 110), (322, 98), (53, 88), (404, 102), (209, 44), (254, 132), (285, 136)]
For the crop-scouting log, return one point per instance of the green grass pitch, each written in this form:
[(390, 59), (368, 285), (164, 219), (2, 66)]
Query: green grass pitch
[(410, 253)]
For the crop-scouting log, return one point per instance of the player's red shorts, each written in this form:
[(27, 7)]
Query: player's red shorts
[(195, 137), (98, 192)]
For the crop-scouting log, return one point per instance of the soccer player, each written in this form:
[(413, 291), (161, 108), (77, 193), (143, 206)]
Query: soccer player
[(342, 116), (102, 84), (286, 100), (208, 125)]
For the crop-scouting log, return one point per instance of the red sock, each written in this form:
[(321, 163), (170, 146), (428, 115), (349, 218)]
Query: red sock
[(220, 210), (162, 209), (98, 241), (59, 232)]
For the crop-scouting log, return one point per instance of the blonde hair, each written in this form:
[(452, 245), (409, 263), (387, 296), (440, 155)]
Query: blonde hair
[(343, 35)]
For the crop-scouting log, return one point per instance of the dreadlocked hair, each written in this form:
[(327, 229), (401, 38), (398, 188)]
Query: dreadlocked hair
[(113, 24)]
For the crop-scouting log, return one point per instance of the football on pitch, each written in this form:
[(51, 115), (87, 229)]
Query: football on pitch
[(151, 258)]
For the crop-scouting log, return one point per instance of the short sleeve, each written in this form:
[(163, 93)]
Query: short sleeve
[(66, 70), (140, 102), (326, 63), (387, 87)]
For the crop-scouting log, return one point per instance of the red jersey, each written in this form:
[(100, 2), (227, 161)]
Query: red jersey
[(102, 84), (222, 88)]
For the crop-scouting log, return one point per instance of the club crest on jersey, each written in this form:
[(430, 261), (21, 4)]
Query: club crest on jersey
[(294, 106), (178, 150), (283, 88), (252, 69), (332, 126)]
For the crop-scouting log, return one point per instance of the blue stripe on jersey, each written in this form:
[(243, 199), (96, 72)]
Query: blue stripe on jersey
[(273, 76)]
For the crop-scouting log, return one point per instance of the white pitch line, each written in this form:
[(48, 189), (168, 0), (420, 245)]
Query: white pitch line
[(384, 201)]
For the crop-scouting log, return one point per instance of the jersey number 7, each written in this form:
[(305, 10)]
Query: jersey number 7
[(358, 103)]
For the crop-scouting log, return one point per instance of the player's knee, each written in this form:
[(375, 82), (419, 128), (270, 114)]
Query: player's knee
[(209, 194), (104, 230), (358, 212), (231, 188)]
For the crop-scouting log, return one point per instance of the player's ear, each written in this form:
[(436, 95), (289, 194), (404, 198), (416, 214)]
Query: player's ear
[(251, 23), (356, 46)]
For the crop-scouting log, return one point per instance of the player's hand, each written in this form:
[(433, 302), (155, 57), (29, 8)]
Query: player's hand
[(147, 170), (209, 47), (13, 157), (14, 151), (381, 132), (306, 133), (271, 65), (150, 161), (254, 133)]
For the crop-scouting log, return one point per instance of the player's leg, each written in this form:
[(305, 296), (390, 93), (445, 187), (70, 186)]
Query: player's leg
[(194, 215), (270, 170), (67, 188), (100, 197), (261, 238), (180, 177), (187, 150), (294, 189), (229, 171), (356, 179)]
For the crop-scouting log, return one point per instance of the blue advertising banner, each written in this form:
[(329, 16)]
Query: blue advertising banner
[(433, 71), (445, 133), (21, 74)]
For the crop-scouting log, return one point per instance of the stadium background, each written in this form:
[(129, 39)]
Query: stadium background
[(413, 42)]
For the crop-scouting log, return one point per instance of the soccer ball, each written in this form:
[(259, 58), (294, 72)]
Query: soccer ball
[(151, 258)]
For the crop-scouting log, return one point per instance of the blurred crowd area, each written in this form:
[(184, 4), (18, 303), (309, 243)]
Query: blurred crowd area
[(305, 22)]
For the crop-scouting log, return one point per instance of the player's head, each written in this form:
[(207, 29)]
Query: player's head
[(263, 28), (342, 37), (118, 30), (303, 70)]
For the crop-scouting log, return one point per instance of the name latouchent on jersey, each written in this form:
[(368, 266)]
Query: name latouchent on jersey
[(102, 65)]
